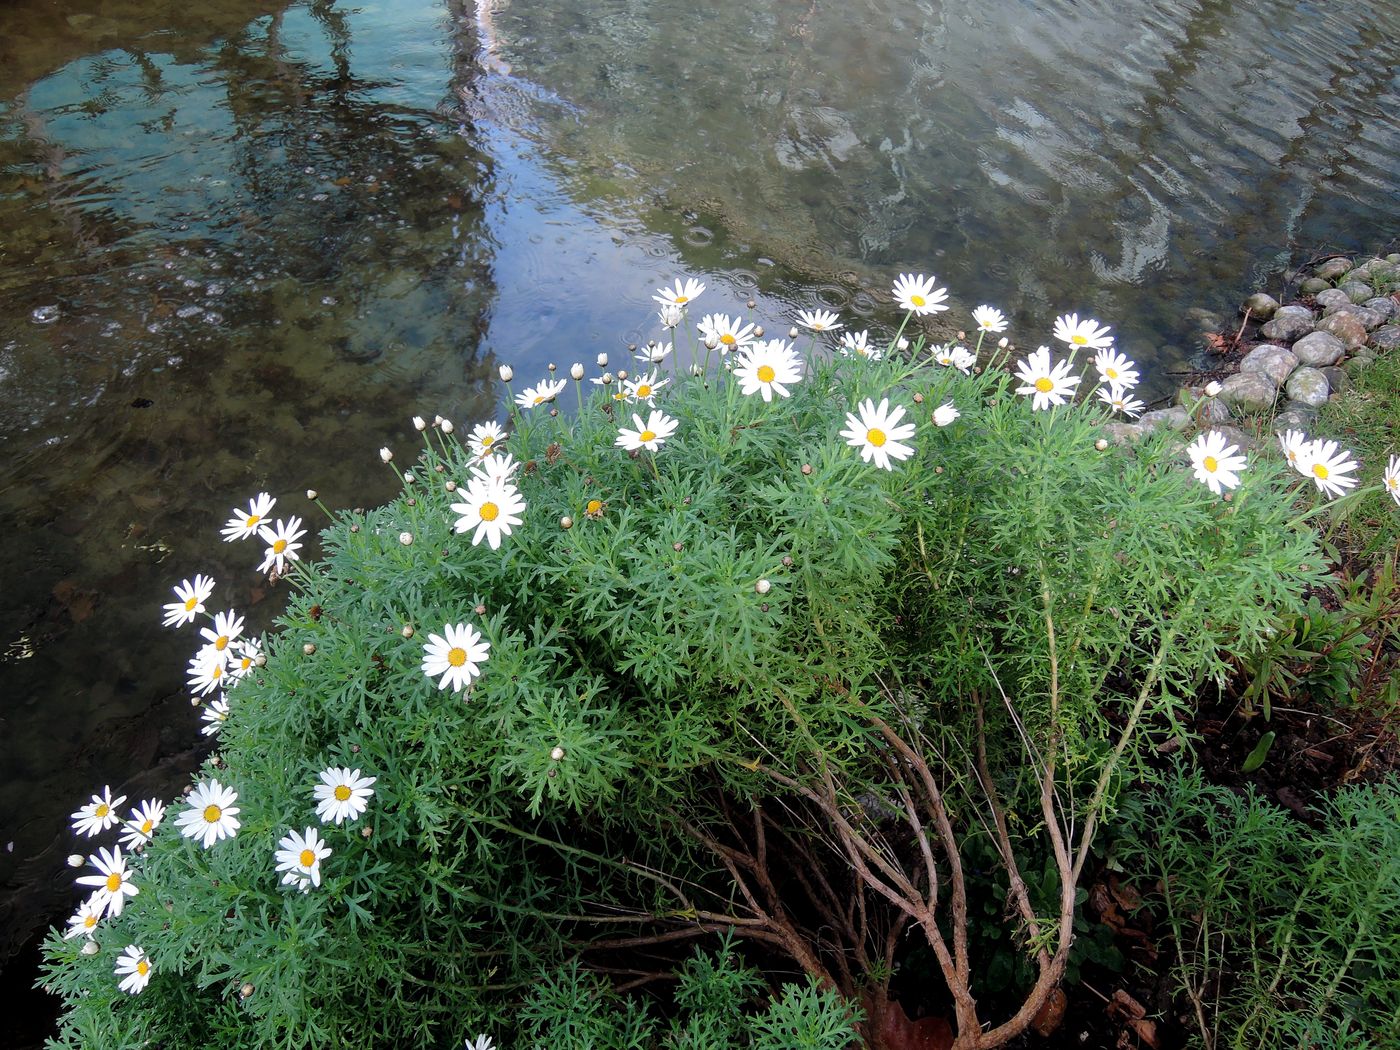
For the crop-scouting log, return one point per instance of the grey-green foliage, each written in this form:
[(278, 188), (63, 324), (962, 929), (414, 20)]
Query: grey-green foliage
[(719, 1002), (1008, 558), (1287, 933)]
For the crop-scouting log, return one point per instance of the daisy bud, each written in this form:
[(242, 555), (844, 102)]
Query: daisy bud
[(566, 522), (447, 426), (386, 455), (607, 378), (1101, 444), (696, 370), (902, 344), (407, 631), (758, 331), (419, 423), (311, 493), (762, 587), (437, 421), (507, 373), (678, 546), (792, 332), (787, 561), (1212, 389), (807, 468), (354, 528), (76, 860), (556, 753), (245, 991), (1003, 342), (194, 701), (918, 399), (450, 486), (366, 831), (576, 370), (406, 538), (309, 649), (602, 360), (90, 947), (962, 336), (711, 342), (550, 366), (751, 304), (261, 660), (553, 413), (621, 374), (408, 478)]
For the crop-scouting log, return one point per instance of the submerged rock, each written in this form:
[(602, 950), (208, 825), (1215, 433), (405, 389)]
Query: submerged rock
[(1260, 305)]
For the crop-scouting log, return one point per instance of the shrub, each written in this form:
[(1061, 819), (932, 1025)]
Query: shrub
[(743, 679)]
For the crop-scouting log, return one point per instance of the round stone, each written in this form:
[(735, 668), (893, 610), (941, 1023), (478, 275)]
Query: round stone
[(1383, 305), (1386, 337), (1368, 317), (1174, 418), (1251, 391), (1318, 349), (1313, 285), (1260, 305), (1350, 330), (1308, 386), (1288, 324), (1357, 291), (1273, 361), (1333, 268), (1333, 297)]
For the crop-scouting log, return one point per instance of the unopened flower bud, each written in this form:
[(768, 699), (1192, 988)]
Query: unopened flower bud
[(1003, 342), (245, 991), (450, 486), (678, 546), (621, 374), (792, 332), (1212, 389), (918, 399), (260, 660), (607, 378), (309, 649), (807, 468), (550, 366), (962, 336), (194, 701), (762, 587), (711, 342), (507, 373), (419, 423), (76, 860), (408, 477), (1101, 444), (386, 455), (556, 753), (566, 522), (480, 610), (787, 561), (366, 831), (447, 426), (406, 538), (407, 631), (311, 493), (602, 360), (90, 947), (902, 343), (437, 421), (758, 331), (576, 370)]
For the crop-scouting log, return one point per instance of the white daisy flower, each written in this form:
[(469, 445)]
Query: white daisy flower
[(83, 922), (99, 814), (1070, 329), (1215, 462), (644, 388), (244, 523), (192, 598), (767, 367), (208, 671), (134, 968), (655, 353), (342, 793), (878, 433), (496, 469), (917, 294), (1392, 478), (1048, 385), (214, 716), (545, 392), (819, 320), (681, 295), (1330, 467), (481, 1042), (457, 655), (857, 344), (725, 332), (113, 881), (1115, 368), (244, 659), (282, 545), (945, 414), (1120, 400), (649, 435), (492, 508), (989, 320), (669, 315), (211, 815), (302, 854), (140, 829), (485, 438), (1295, 450), (951, 355), (227, 627)]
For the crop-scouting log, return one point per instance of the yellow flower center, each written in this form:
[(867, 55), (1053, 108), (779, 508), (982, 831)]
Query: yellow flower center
[(647, 435), (279, 546), (89, 921), (727, 339), (307, 858), (595, 506), (766, 374), (456, 656), (190, 603), (212, 814), (875, 437), (1044, 384), (101, 811), (1078, 340), (489, 512), (681, 300), (1392, 483), (644, 390), (1320, 471), (217, 673), (1111, 373), (221, 642), (146, 828), (114, 882), (1211, 464), (917, 300), (487, 441), (342, 793), (252, 520), (539, 399), (143, 967)]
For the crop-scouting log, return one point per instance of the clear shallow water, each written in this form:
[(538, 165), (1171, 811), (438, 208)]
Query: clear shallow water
[(242, 242)]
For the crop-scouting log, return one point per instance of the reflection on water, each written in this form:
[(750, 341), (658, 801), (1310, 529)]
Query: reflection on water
[(242, 242)]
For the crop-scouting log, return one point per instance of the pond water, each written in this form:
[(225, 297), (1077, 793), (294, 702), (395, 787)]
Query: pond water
[(242, 242)]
